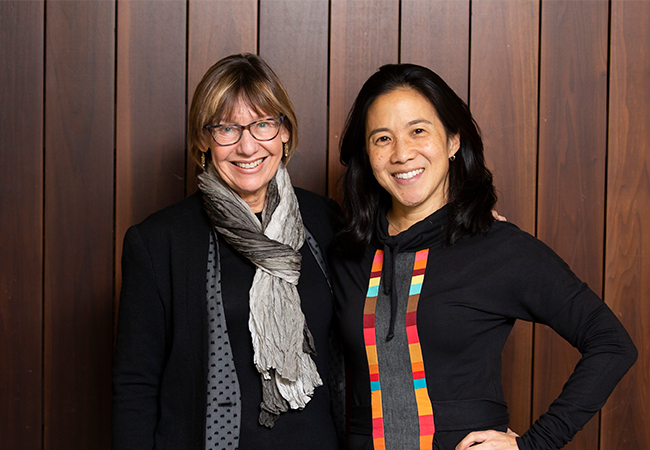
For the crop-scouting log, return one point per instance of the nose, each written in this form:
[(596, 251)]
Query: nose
[(247, 144), (402, 152)]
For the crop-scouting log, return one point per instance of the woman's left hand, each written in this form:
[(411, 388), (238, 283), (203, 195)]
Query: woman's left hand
[(489, 439)]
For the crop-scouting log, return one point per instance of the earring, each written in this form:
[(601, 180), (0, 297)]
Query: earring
[(285, 147), (452, 157), (203, 160)]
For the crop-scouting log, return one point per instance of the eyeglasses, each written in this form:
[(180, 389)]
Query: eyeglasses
[(230, 134)]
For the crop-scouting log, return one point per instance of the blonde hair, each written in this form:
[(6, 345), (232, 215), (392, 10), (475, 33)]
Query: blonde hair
[(244, 77)]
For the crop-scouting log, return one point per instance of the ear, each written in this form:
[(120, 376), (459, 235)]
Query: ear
[(205, 144), (453, 144), (284, 134)]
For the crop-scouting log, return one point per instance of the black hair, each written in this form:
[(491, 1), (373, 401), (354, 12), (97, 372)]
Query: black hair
[(471, 195)]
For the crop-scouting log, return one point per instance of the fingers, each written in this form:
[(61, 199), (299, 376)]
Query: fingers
[(496, 440), (474, 437), (498, 217)]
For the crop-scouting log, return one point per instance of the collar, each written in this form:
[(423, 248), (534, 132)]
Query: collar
[(428, 233)]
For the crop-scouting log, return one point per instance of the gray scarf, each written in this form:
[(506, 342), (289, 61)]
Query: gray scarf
[(282, 342)]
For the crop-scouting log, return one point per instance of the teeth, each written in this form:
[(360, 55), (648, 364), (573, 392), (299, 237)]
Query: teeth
[(250, 165), (408, 175)]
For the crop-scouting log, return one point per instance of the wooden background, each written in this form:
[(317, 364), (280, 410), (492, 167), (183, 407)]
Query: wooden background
[(93, 101)]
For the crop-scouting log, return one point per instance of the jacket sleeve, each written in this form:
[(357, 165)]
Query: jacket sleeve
[(588, 324), (140, 349)]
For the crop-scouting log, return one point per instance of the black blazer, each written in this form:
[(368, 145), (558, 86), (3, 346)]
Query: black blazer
[(160, 364)]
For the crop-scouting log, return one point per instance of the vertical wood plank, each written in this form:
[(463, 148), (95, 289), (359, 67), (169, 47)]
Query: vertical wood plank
[(571, 189), (303, 72), (150, 135), (627, 284), (503, 99), (435, 34), (21, 223), (363, 37), (78, 223), (212, 38)]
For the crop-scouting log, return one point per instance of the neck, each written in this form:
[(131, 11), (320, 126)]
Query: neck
[(401, 218), (255, 201)]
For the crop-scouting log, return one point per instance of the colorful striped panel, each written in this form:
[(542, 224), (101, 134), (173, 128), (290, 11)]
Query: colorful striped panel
[(425, 410), (371, 351)]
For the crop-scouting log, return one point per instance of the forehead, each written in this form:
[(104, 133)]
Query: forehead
[(401, 103), (241, 109)]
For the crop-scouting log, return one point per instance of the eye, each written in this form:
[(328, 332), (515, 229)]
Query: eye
[(419, 131), (382, 139)]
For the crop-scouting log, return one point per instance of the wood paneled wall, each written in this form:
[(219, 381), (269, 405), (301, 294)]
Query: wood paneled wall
[(93, 101)]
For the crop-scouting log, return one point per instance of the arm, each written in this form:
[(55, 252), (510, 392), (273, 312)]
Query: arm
[(607, 354), (547, 292), (140, 349)]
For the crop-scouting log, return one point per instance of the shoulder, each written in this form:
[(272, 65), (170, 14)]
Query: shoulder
[(504, 236), (183, 218), (512, 238), (189, 206), (507, 247), (312, 204), (320, 215)]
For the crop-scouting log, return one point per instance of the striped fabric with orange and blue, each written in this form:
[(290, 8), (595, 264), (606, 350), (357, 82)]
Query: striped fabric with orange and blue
[(371, 350), (425, 410)]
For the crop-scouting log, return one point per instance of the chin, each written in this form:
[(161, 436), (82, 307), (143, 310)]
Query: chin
[(410, 202)]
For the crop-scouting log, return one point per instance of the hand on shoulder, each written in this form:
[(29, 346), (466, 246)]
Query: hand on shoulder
[(498, 216)]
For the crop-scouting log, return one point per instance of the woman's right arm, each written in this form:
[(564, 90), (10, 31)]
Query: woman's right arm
[(140, 349)]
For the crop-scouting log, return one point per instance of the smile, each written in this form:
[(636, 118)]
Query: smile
[(250, 165), (408, 175)]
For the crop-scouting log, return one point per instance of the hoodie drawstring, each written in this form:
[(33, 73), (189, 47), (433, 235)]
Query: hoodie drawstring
[(390, 286)]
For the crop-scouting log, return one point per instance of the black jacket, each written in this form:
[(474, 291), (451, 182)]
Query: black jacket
[(160, 365)]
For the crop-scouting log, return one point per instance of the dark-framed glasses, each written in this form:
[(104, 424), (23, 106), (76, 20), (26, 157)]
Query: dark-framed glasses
[(230, 133)]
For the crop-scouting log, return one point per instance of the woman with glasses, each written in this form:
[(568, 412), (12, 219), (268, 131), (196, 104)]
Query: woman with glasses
[(222, 338)]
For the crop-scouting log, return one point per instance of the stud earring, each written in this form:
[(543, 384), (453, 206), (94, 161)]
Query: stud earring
[(452, 157)]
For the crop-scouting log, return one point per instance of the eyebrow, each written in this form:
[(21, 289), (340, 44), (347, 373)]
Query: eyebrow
[(410, 124), (377, 130), (416, 121)]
